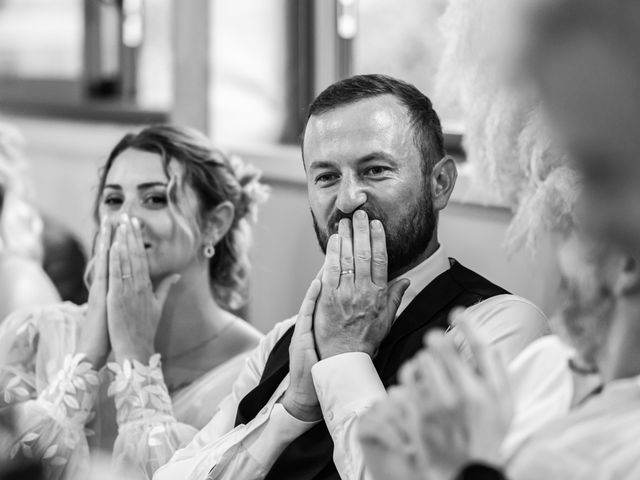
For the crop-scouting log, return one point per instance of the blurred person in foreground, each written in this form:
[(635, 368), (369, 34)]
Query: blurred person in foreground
[(457, 419), (378, 177), (23, 283), (586, 57), (170, 260)]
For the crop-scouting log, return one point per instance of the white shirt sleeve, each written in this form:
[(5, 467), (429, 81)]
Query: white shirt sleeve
[(347, 385), (508, 323), (222, 451), (542, 387)]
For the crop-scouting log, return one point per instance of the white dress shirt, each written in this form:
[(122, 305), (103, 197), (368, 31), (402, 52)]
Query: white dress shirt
[(346, 384), (542, 387), (597, 440), (545, 390)]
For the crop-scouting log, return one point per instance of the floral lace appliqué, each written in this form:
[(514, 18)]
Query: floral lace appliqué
[(17, 374), (69, 400), (139, 390), (74, 391)]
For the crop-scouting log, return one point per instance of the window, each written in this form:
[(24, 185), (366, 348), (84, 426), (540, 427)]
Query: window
[(105, 59), (41, 45), (154, 82), (401, 38), (41, 39), (242, 70), (250, 71)]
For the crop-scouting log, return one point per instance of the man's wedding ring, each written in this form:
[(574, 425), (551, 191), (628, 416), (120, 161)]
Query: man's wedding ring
[(347, 272), (124, 277)]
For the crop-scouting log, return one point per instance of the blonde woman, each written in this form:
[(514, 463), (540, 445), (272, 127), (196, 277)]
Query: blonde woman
[(170, 263)]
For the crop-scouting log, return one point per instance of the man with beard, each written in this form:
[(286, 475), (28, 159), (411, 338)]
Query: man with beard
[(377, 178)]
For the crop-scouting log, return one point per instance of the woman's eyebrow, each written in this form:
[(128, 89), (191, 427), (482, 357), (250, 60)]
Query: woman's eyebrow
[(144, 186)]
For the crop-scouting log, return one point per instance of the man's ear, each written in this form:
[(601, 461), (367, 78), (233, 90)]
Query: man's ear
[(218, 222), (443, 179)]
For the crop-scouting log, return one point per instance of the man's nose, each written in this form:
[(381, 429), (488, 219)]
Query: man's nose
[(351, 195)]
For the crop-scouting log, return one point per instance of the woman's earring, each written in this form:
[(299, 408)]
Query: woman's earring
[(209, 250)]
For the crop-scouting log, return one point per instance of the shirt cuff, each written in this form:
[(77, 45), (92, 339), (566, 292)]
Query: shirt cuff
[(346, 384), (280, 429)]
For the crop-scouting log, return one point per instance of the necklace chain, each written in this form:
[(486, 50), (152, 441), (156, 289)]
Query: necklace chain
[(198, 346)]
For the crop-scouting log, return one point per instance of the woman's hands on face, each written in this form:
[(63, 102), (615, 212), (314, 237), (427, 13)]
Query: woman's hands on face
[(133, 308), (94, 336)]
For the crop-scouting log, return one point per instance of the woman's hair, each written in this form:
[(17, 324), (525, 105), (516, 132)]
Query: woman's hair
[(20, 224), (215, 178)]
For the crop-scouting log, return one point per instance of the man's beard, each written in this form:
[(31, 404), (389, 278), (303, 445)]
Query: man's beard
[(407, 236)]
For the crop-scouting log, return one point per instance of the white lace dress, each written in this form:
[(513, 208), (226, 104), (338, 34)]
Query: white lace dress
[(64, 410)]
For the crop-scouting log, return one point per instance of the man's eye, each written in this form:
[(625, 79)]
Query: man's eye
[(378, 170), (326, 178)]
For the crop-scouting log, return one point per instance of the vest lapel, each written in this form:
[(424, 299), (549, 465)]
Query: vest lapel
[(420, 313), (275, 371)]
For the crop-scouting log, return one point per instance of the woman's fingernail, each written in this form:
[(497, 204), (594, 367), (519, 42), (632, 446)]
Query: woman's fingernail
[(135, 222)]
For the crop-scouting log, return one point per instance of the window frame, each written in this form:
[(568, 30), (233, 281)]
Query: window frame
[(344, 48), (72, 98), (318, 56)]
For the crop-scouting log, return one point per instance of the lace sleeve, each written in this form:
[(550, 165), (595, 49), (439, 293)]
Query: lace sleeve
[(18, 344), (52, 427), (149, 434), (17, 375), (33, 345)]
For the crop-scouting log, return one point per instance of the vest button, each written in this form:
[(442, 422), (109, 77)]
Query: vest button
[(329, 416)]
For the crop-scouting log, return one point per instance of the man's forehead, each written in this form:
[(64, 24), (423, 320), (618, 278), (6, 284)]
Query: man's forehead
[(380, 120), (382, 111)]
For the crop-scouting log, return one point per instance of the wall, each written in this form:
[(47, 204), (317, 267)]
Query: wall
[(65, 157)]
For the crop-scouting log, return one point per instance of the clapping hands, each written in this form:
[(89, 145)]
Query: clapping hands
[(455, 413)]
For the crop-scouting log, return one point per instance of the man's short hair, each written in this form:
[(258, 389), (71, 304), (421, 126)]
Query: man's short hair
[(428, 135)]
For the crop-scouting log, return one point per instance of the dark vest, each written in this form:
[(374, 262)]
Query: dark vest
[(309, 457)]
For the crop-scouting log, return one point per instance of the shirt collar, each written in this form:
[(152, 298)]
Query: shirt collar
[(422, 275)]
